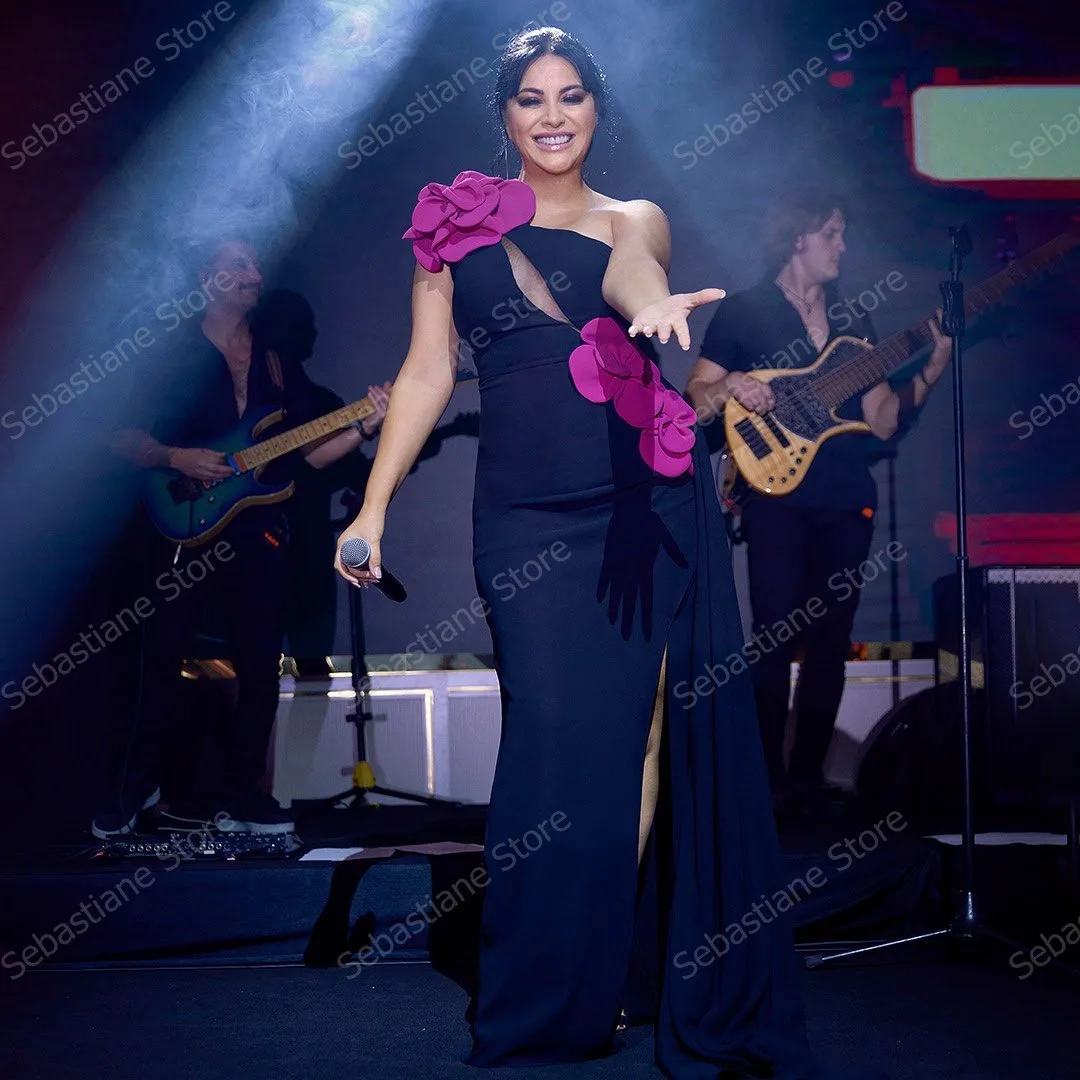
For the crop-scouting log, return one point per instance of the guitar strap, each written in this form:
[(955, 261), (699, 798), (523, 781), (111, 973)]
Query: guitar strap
[(273, 365)]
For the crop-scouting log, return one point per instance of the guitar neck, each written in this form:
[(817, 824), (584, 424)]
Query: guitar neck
[(875, 365), (264, 452)]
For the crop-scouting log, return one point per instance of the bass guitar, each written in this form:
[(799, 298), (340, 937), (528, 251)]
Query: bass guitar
[(774, 451), (190, 512)]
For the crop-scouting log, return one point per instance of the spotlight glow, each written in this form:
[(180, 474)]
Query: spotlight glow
[(249, 149)]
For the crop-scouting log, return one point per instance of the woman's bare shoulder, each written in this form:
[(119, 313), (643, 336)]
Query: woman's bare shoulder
[(637, 217), (634, 211), (610, 216)]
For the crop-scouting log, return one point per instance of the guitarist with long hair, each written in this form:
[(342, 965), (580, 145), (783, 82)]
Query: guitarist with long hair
[(221, 370), (798, 540)]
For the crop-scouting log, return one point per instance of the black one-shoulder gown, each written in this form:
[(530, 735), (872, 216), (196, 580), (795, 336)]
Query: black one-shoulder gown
[(592, 565)]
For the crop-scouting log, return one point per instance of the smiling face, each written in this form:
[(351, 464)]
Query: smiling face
[(241, 284), (819, 252), (552, 117)]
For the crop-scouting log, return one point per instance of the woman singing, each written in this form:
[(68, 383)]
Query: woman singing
[(590, 466)]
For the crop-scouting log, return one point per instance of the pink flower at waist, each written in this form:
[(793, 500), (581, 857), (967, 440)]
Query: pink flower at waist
[(608, 367)]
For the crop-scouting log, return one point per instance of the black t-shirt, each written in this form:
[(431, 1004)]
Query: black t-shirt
[(189, 401), (196, 403), (759, 328)]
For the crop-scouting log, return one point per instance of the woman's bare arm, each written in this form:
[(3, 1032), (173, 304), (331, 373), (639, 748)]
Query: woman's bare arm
[(421, 390), (636, 284), (640, 258)]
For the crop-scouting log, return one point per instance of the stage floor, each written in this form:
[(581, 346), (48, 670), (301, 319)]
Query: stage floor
[(910, 1021), (236, 968), (366, 872)]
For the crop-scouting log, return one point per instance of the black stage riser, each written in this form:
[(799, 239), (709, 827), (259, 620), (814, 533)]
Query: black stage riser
[(417, 908)]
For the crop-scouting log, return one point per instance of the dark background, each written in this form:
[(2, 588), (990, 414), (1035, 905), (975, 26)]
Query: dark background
[(243, 130)]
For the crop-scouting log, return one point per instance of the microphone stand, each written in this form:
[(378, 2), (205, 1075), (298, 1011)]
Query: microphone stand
[(363, 776), (953, 326), (967, 927)]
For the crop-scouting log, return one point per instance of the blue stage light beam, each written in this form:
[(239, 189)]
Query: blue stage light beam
[(250, 148)]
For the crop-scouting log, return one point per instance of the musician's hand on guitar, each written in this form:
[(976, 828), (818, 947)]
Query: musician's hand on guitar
[(749, 392), (668, 316), (379, 396), (366, 526), (942, 354), (200, 464)]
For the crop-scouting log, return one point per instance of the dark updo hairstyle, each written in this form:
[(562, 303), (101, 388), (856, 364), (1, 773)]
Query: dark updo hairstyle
[(531, 46), (799, 212)]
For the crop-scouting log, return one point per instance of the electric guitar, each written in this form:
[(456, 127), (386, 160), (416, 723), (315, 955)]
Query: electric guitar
[(190, 512), (774, 451)]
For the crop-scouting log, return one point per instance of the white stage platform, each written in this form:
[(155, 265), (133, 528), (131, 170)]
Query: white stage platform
[(437, 732)]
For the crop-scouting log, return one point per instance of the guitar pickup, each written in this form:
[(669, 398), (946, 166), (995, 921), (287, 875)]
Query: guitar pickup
[(777, 430), (753, 438), (183, 489)]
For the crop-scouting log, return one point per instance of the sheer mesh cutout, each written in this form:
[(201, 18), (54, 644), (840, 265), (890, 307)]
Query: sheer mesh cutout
[(532, 284)]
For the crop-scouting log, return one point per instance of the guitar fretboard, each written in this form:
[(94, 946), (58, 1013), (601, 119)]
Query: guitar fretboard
[(872, 366), (264, 452)]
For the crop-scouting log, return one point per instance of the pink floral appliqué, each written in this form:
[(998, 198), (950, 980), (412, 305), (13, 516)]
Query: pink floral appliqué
[(475, 211), (607, 367)]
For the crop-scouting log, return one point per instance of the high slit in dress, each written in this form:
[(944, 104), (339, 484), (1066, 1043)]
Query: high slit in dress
[(591, 563)]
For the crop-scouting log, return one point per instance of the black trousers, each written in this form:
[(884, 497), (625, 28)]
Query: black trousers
[(804, 590), (241, 577)]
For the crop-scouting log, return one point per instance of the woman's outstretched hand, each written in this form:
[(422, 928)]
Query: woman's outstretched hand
[(668, 316), (366, 526)]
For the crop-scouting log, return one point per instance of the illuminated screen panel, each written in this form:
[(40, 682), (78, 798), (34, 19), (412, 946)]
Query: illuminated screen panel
[(1014, 140)]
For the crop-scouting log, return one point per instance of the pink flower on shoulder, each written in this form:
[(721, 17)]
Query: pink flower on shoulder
[(609, 367), (475, 211)]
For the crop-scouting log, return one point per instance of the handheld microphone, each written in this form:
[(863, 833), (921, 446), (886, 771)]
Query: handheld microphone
[(355, 554)]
